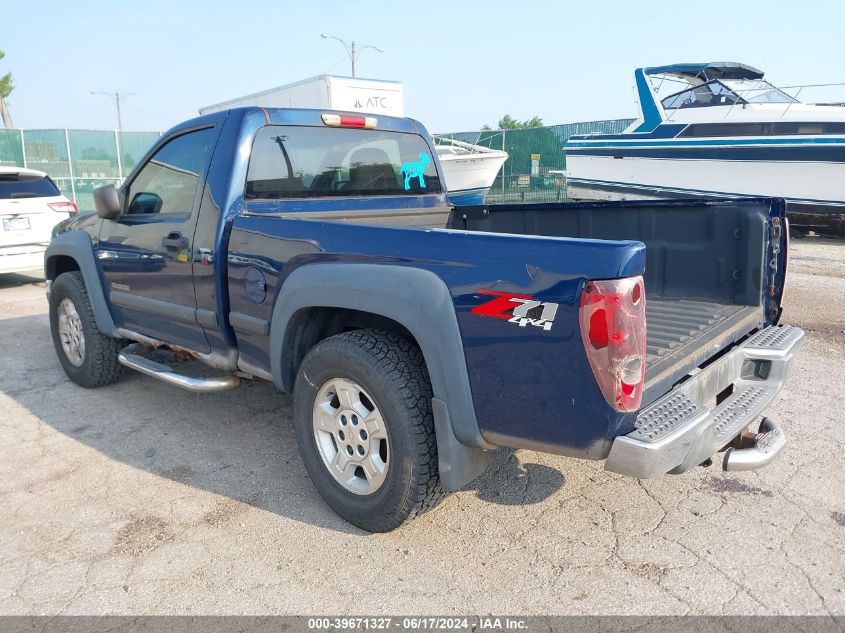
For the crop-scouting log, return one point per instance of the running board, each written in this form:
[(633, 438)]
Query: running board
[(166, 374)]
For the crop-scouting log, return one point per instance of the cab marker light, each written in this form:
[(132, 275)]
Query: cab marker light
[(349, 120)]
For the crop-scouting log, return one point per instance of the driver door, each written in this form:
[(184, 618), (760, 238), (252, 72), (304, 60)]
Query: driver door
[(146, 253)]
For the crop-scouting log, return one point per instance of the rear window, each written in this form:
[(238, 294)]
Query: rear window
[(310, 162), (26, 186)]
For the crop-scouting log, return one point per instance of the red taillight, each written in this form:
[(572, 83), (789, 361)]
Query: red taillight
[(349, 120), (785, 256), (63, 207), (613, 330)]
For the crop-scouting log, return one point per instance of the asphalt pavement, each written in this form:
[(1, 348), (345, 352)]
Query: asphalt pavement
[(139, 498)]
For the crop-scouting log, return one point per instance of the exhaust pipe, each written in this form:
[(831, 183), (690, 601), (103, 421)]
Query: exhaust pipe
[(767, 443)]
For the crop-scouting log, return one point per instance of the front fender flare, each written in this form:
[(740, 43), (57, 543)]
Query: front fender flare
[(421, 302), (77, 245)]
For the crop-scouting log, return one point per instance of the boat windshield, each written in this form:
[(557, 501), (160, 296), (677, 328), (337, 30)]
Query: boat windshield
[(712, 93), (758, 91), (726, 92)]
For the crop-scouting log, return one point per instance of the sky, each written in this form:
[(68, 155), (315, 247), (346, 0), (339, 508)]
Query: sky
[(463, 63)]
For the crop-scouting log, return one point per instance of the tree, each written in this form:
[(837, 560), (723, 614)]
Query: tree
[(6, 87), (507, 122)]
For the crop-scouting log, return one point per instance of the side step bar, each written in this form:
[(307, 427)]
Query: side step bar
[(166, 374)]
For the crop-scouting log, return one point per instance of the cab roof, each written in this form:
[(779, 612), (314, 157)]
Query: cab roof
[(300, 116)]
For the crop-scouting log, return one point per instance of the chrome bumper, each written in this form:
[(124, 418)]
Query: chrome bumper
[(685, 427)]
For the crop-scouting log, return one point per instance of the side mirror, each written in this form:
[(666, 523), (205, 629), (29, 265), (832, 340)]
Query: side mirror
[(107, 202)]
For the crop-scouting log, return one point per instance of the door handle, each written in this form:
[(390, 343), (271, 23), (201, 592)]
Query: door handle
[(175, 241)]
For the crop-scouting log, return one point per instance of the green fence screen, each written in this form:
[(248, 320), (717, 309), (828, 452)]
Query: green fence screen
[(11, 148), (517, 181), (133, 146), (78, 161)]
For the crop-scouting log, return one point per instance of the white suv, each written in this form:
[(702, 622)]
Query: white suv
[(30, 206)]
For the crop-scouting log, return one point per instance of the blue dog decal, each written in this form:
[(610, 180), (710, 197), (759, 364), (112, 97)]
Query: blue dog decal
[(413, 169)]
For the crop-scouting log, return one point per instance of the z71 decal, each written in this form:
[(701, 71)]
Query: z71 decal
[(523, 310)]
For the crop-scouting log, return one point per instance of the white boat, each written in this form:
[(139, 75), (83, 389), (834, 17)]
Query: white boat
[(469, 170), (724, 131)]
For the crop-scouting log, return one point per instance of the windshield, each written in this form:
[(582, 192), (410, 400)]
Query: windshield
[(758, 91), (712, 93), (727, 92)]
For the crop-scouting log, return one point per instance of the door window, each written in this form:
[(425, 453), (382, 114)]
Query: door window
[(168, 182)]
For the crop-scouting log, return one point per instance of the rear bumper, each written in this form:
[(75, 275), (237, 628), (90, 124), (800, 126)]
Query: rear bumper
[(685, 427), (21, 258)]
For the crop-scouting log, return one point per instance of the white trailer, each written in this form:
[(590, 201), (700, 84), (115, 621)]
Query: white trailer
[(326, 92)]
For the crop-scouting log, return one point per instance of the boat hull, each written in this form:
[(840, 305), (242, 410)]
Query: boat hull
[(468, 196), (469, 177), (817, 187)]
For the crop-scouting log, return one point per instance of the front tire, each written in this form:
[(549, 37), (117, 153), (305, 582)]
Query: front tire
[(88, 356), (364, 427)]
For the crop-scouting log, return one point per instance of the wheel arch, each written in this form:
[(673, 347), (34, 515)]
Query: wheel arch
[(74, 251), (417, 302), (58, 265), (308, 326)]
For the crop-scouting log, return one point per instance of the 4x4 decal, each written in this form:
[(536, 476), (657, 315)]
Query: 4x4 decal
[(523, 310)]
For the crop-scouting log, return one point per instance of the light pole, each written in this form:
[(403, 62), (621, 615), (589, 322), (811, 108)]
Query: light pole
[(116, 97), (352, 48)]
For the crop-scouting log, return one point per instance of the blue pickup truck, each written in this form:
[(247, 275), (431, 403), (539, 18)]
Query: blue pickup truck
[(318, 251)]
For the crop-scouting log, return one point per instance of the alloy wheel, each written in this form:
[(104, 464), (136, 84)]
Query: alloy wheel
[(351, 436), (71, 333)]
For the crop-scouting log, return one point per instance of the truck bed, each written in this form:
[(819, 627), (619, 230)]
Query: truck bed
[(682, 333), (703, 272)]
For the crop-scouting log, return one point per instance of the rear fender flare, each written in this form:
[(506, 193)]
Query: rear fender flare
[(421, 302)]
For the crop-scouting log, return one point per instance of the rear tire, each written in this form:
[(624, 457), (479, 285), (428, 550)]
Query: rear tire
[(379, 379), (88, 356)]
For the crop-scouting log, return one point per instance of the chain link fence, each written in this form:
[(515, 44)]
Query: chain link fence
[(78, 161), (536, 168)]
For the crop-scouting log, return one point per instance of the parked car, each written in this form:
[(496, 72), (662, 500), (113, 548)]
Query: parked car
[(30, 206), (317, 250)]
